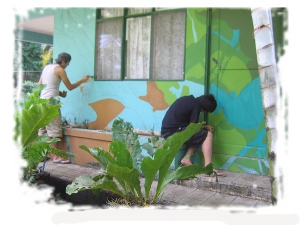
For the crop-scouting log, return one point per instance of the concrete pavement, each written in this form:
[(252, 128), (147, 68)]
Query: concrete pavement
[(234, 190)]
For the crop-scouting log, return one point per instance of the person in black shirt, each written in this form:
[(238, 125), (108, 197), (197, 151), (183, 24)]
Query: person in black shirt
[(181, 113)]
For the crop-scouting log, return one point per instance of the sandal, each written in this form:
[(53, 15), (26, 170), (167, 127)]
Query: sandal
[(62, 161), (218, 174)]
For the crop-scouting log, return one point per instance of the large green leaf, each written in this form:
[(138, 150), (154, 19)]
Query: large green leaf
[(136, 155), (173, 145), (33, 119), (184, 173), (86, 182), (150, 167), (104, 158), (129, 176), (100, 154), (33, 113), (80, 183), (38, 149), (123, 132), (121, 154)]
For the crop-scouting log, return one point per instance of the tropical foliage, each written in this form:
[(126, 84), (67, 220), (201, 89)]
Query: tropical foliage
[(124, 163), (33, 113), (28, 86)]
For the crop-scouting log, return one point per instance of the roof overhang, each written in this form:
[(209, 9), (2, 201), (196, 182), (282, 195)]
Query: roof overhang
[(43, 25)]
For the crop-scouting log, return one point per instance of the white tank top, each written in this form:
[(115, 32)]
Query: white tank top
[(51, 80)]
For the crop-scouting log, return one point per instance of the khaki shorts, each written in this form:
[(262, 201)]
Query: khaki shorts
[(54, 128)]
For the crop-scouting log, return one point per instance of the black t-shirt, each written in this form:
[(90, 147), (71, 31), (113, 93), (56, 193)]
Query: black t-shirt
[(181, 113)]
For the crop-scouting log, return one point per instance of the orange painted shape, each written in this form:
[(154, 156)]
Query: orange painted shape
[(106, 110), (154, 97)]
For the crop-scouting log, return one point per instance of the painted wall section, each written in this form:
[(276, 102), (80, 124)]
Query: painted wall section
[(141, 103), (239, 138), (240, 135)]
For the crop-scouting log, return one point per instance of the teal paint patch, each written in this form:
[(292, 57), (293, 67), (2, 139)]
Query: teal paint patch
[(195, 88), (235, 37), (238, 109), (258, 141), (228, 163), (246, 165), (193, 26), (246, 169)]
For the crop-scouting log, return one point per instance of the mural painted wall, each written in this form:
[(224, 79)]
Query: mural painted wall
[(240, 135)]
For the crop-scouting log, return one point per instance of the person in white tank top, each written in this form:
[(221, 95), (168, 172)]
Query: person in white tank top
[(51, 76)]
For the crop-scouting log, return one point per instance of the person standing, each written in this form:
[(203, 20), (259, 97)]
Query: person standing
[(51, 76), (181, 113)]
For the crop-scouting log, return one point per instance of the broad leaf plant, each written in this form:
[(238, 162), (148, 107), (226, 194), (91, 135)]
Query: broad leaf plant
[(123, 165), (33, 113)]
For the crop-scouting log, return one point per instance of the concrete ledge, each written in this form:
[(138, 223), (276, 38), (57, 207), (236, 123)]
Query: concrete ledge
[(248, 186), (239, 184)]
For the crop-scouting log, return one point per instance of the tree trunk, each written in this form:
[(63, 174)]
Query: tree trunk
[(266, 58)]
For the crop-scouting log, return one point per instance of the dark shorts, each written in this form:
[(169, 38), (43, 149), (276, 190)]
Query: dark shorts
[(196, 140)]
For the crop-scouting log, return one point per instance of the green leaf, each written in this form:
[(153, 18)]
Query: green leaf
[(149, 148), (104, 158), (33, 113), (38, 149), (80, 183), (151, 167), (123, 132), (172, 145), (86, 182), (99, 154), (33, 119), (121, 154), (60, 153), (186, 172), (136, 155), (129, 176)]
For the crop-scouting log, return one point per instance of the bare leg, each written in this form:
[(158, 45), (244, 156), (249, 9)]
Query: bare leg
[(207, 148), (207, 151), (56, 158), (186, 160)]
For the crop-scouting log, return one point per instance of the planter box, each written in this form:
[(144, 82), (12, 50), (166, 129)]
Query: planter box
[(74, 137)]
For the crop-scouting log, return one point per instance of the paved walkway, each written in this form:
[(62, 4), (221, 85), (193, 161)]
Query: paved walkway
[(234, 190)]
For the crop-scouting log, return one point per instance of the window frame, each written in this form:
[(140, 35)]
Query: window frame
[(123, 63)]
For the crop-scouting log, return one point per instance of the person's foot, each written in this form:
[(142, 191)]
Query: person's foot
[(219, 174), (62, 161), (45, 159), (186, 160)]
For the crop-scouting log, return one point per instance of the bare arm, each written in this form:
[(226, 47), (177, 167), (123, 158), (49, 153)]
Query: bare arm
[(59, 71), (40, 80)]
